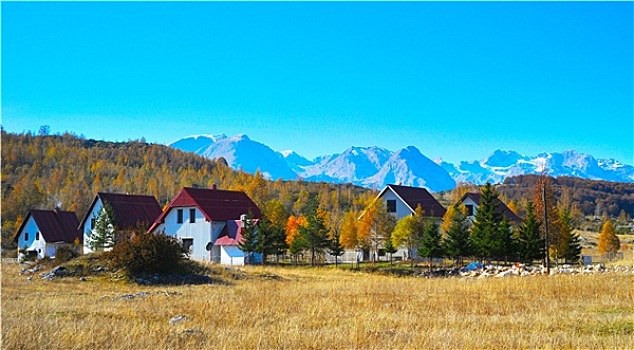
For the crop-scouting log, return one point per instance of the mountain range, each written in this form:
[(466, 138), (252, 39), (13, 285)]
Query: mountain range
[(377, 167)]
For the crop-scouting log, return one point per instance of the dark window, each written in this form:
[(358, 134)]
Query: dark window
[(92, 223), (188, 244), (192, 215), (469, 208), (37, 236), (391, 205), (26, 236), (179, 216)]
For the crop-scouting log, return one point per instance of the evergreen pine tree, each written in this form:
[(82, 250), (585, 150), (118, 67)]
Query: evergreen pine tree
[(485, 228), (456, 242), (315, 235), (390, 249), (103, 235), (248, 244), (431, 243), (335, 248), (530, 245), (569, 244)]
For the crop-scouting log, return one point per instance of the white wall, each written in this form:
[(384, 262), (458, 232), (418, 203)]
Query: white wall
[(231, 255), (32, 244), (87, 232), (201, 231), (402, 209)]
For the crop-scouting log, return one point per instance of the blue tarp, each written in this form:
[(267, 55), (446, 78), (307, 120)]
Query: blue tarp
[(473, 266)]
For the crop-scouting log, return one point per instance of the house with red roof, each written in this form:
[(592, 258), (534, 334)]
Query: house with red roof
[(43, 231), (402, 201), (209, 222), (130, 212)]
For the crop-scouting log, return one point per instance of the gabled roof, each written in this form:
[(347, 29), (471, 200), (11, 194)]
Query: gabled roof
[(54, 225), (216, 205), (129, 209), (231, 234), (413, 196), (501, 207)]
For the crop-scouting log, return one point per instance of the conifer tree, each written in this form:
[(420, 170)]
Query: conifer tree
[(315, 235), (456, 242), (103, 235), (530, 245), (249, 242), (569, 247), (609, 243), (390, 249), (430, 245), (335, 247), (486, 226)]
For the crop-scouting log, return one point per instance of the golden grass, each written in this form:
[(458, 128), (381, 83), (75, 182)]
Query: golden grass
[(322, 308)]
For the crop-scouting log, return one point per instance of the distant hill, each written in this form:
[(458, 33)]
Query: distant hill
[(376, 167)]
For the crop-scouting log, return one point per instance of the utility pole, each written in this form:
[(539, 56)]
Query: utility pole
[(546, 228)]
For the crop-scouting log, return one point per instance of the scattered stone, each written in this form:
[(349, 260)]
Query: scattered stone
[(83, 279), (177, 318), (30, 278), (192, 331), (143, 282)]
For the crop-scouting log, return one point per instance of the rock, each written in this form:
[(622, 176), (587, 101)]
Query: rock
[(156, 278), (30, 278), (143, 281), (83, 279), (177, 318), (192, 331)]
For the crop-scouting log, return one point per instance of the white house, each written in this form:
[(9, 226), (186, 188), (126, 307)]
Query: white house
[(209, 222), (402, 201), (471, 201), (43, 231), (130, 211)]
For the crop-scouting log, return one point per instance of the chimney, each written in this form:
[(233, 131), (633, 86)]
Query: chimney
[(214, 187)]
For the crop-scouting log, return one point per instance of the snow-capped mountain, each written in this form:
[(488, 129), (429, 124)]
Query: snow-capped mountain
[(409, 167), (502, 164), (353, 165), (377, 167), (240, 152)]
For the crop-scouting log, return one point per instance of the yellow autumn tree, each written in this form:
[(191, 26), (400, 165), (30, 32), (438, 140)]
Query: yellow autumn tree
[(609, 243), (349, 230)]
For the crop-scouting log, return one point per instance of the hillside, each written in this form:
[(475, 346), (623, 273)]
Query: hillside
[(40, 172)]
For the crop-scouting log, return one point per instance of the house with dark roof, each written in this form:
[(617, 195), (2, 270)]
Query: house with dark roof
[(130, 212), (209, 223), (402, 201), (43, 231), (471, 201)]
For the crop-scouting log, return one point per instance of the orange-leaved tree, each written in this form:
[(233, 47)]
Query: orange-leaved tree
[(609, 243)]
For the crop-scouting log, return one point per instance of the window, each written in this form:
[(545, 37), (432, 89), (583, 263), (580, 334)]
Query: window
[(37, 236), (188, 244), (391, 205), (179, 216), (92, 223), (469, 208), (26, 236), (192, 216)]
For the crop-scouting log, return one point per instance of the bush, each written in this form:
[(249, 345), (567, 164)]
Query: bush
[(65, 253), (147, 253)]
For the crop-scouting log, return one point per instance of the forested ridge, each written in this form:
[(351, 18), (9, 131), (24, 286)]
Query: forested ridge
[(42, 171)]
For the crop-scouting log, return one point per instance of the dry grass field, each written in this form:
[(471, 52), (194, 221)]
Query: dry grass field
[(301, 308)]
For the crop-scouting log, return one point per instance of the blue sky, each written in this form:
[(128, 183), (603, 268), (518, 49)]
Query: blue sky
[(456, 80)]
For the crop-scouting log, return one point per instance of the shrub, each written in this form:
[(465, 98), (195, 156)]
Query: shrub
[(65, 253), (147, 253)]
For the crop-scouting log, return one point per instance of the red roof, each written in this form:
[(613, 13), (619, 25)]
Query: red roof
[(501, 207), (129, 209), (413, 196), (231, 234), (216, 205), (54, 225)]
